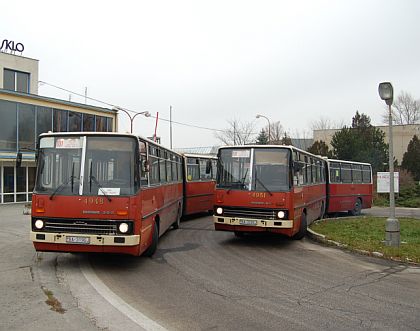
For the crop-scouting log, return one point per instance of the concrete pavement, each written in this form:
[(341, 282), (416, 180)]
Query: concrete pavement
[(28, 280)]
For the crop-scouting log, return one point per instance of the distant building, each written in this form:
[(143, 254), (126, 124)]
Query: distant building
[(211, 150), (24, 115), (402, 134)]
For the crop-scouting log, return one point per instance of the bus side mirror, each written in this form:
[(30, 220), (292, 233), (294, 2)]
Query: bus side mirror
[(145, 166), (18, 159), (208, 167)]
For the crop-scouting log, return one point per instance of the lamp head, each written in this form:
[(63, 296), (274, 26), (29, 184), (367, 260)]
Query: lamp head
[(386, 92)]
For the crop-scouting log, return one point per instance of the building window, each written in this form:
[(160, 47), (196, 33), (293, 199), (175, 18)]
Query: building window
[(43, 120), (60, 120), (8, 125), (109, 124), (16, 81), (101, 124), (75, 121), (26, 126), (88, 122)]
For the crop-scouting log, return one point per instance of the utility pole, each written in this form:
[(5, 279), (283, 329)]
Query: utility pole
[(392, 225), (170, 125)]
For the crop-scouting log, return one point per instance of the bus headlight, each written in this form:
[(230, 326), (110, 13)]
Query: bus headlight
[(39, 224), (219, 210), (281, 214), (123, 227)]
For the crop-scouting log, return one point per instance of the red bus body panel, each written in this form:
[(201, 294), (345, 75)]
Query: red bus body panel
[(307, 199), (199, 197), (342, 197), (161, 203)]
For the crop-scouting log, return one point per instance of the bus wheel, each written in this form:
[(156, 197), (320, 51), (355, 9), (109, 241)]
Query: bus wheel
[(302, 228), (239, 234), (322, 214), (357, 210), (178, 219), (155, 238)]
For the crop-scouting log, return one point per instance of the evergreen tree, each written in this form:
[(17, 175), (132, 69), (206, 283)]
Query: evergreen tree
[(319, 147), (361, 142), (286, 140), (262, 138), (411, 158)]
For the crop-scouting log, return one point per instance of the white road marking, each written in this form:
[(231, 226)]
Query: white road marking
[(133, 314)]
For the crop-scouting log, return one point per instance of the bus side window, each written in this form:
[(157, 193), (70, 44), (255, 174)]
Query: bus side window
[(366, 171), (357, 173), (335, 172), (144, 179), (193, 169)]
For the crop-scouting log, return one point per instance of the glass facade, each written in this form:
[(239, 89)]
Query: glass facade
[(20, 125)]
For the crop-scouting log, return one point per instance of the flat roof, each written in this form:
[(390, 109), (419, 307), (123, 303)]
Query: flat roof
[(58, 101)]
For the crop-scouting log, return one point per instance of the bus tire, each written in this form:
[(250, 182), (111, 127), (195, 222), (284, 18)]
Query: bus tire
[(322, 213), (155, 238), (177, 222), (357, 209), (302, 228)]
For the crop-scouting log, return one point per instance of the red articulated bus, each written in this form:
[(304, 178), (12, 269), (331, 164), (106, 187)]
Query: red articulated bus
[(104, 192), (349, 186), (260, 188), (199, 183)]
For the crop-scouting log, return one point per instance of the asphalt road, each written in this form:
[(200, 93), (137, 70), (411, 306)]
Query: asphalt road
[(200, 279)]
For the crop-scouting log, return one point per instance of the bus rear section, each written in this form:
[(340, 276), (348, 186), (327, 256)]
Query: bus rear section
[(349, 186), (262, 189), (89, 195), (199, 184)]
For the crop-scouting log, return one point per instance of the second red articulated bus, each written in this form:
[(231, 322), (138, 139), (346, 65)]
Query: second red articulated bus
[(283, 189), (276, 188)]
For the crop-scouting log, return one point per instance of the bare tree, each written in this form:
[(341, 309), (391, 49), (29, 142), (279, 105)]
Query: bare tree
[(238, 133), (405, 110), (322, 123), (276, 132)]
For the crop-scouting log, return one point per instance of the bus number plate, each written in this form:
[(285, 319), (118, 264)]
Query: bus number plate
[(77, 240), (247, 222)]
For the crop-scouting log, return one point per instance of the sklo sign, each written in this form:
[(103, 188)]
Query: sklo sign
[(10, 45)]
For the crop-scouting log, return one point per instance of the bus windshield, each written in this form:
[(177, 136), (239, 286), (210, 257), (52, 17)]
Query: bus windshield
[(86, 165), (269, 170)]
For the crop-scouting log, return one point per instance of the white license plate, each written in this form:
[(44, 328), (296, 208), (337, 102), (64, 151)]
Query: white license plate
[(247, 222), (77, 240)]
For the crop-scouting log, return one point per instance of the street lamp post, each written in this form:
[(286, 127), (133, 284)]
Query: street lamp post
[(145, 113), (269, 133), (392, 227)]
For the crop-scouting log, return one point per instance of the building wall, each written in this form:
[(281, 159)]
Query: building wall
[(402, 134), (20, 63)]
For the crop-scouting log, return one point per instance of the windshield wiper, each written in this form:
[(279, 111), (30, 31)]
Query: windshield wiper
[(60, 187), (262, 184), (91, 176)]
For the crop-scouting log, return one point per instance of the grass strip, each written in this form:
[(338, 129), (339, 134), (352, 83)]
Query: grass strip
[(368, 233)]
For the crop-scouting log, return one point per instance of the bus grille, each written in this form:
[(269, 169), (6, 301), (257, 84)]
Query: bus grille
[(80, 226), (241, 212)]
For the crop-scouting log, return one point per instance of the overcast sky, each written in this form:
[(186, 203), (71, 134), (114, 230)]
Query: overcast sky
[(214, 61)]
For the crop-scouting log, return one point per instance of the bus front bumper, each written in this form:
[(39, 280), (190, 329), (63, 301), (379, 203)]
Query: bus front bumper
[(84, 239), (251, 223)]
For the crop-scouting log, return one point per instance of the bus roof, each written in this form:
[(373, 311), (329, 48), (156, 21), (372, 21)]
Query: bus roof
[(289, 147), (349, 162), (109, 134)]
